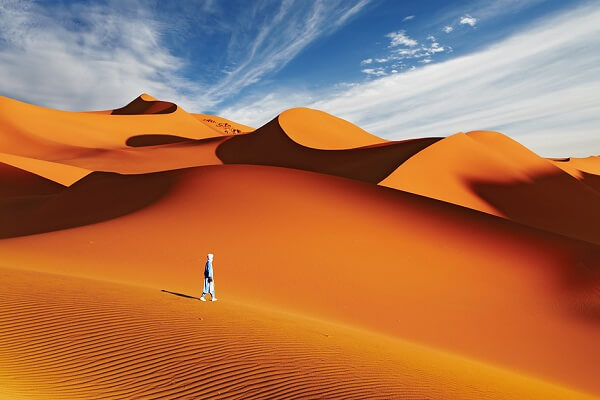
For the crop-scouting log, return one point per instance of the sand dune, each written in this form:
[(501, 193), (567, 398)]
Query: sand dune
[(271, 145), (146, 104), (307, 238), (72, 338), (319, 130), (490, 172), (54, 135), (356, 248)]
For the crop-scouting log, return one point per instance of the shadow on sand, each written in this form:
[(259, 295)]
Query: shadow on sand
[(187, 296)]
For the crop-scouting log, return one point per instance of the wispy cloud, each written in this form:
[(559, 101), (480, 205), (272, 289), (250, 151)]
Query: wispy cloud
[(87, 55), (540, 86), (102, 59), (448, 29), (278, 40), (402, 47), (468, 20), (401, 39), (374, 71), (408, 18)]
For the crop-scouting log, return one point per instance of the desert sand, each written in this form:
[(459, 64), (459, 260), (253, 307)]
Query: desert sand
[(346, 265)]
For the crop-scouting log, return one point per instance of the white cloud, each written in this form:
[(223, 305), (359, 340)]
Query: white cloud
[(400, 38), (382, 60), (448, 29), (366, 61), (468, 20), (540, 86), (425, 61), (107, 64), (374, 71), (431, 37), (435, 48), (408, 18)]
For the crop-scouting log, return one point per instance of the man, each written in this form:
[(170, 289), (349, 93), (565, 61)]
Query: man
[(209, 282)]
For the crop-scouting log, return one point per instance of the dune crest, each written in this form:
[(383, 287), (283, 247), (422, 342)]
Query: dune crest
[(489, 172), (319, 130), (146, 104), (271, 145)]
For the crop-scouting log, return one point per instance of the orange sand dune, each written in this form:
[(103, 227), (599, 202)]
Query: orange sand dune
[(73, 338), (146, 104), (490, 172), (271, 145), (587, 170), (53, 135), (364, 255), (319, 130)]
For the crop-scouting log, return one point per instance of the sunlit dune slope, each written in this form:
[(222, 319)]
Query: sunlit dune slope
[(352, 252), (70, 338), (319, 130), (38, 132), (490, 172), (148, 135), (124, 143)]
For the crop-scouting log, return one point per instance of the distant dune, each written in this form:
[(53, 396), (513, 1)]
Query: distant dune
[(347, 266), (490, 172)]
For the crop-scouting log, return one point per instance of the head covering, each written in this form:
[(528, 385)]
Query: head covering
[(210, 256)]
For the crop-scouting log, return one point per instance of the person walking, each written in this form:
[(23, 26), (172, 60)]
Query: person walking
[(209, 280)]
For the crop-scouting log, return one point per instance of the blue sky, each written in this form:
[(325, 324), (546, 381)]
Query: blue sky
[(400, 69)]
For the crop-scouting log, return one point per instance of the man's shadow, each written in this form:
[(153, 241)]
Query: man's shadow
[(187, 296)]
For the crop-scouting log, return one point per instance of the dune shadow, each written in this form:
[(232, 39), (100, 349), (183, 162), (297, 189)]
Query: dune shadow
[(16, 182), (187, 296), (591, 180), (140, 106), (560, 204), (270, 145), (156, 140), (98, 197), (554, 202)]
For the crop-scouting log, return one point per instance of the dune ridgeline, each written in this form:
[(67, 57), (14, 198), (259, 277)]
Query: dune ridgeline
[(346, 265)]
